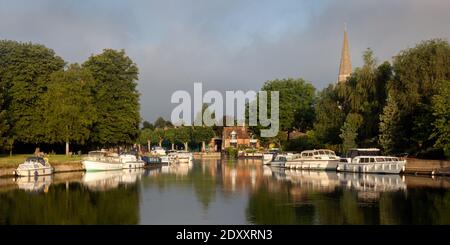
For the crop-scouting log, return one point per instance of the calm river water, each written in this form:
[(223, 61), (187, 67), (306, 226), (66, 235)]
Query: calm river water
[(224, 192)]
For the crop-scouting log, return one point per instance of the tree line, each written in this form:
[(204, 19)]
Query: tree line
[(162, 131), (401, 106), (45, 100)]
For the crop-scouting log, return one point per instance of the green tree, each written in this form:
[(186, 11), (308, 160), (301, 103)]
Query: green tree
[(148, 125), (70, 119), (296, 103), (441, 111), (160, 135), (184, 135), (171, 136), (389, 125), (349, 132), (147, 136), (4, 127), (161, 123), (329, 116), (116, 97), (365, 93), (24, 72), (418, 71), (202, 135)]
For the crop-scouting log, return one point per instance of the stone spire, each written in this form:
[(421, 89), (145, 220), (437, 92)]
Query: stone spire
[(345, 68)]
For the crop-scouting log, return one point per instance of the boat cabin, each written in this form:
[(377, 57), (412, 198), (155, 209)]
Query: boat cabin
[(36, 160), (317, 153), (352, 153), (369, 159)]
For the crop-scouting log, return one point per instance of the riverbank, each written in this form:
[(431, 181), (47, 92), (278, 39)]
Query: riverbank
[(61, 163), (427, 167)]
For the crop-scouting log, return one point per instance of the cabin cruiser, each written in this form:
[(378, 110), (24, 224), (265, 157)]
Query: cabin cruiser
[(161, 153), (370, 161), (279, 160), (131, 161), (151, 160), (34, 166), (270, 155), (181, 157), (321, 159), (101, 161)]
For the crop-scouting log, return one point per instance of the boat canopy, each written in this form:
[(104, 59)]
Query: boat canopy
[(36, 160)]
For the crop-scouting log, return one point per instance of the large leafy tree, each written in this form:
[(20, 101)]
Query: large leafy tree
[(4, 127), (116, 97), (349, 131), (296, 103), (184, 135), (441, 111), (147, 136), (202, 135), (24, 72), (147, 124), (68, 106), (389, 121), (418, 72), (160, 135), (364, 93), (171, 136), (329, 117), (161, 123)]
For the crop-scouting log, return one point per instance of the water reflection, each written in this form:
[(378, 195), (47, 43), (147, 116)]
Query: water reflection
[(104, 180), (224, 192), (34, 183)]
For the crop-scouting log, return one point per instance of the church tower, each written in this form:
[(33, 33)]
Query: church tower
[(345, 67)]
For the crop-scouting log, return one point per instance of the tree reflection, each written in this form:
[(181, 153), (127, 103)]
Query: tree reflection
[(75, 205)]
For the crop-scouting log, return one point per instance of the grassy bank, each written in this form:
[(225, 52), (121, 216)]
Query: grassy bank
[(9, 162)]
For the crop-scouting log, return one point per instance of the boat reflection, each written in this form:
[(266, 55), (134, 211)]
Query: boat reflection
[(368, 186), (34, 183), (105, 180), (177, 169)]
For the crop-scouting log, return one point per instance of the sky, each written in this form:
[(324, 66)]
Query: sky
[(224, 44)]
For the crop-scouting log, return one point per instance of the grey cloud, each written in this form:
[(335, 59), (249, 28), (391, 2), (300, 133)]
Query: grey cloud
[(227, 45)]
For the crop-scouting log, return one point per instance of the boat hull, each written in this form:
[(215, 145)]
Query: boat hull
[(34, 171), (133, 165), (101, 166), (381, 168), (313, 164), (276, 163)]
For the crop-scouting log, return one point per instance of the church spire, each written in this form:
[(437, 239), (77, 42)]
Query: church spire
[(345, 67)]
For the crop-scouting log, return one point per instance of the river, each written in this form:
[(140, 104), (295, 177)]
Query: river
[(224, 192)]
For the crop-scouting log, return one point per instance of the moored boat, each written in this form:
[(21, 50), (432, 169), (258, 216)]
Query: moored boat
[(130, 161), (181, 157), (322, 159), (269, 155), (101, 161), (34, 166), (370, 161)]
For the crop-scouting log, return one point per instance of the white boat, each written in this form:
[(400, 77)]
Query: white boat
[(370, 161), (101, 161), (34, 166), (321, 159), (158, 151), (130, 161), (34, 183), (181, 157), (164, 159), (281, 159), (269, 155)]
